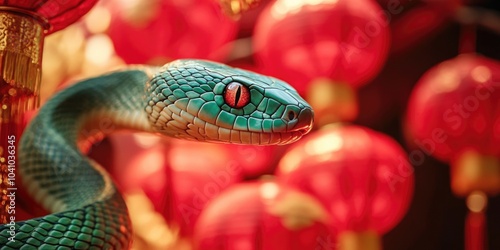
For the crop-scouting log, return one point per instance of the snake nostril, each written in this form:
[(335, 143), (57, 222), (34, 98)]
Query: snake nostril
[(305, 120), (291, 115)]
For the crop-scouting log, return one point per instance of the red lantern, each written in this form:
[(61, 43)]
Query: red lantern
[(362, 177), (454, 108), (24, 26), (342, 40), (163, 30), (263, 216), (453, 115)]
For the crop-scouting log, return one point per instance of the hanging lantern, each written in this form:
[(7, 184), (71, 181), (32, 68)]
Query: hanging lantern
[(362, 177), (453, 115), (155, 32), (23, 25), (263, 216), (298, 41)]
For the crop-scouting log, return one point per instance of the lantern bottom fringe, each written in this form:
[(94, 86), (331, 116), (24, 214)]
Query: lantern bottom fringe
[(365, 240), (472, 171)]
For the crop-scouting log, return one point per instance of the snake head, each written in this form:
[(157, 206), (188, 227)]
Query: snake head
[(208, 101)]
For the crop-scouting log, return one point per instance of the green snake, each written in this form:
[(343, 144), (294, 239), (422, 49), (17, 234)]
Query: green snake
[(186, 99)]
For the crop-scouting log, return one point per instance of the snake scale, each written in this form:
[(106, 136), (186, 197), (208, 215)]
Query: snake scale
[(186, 99)]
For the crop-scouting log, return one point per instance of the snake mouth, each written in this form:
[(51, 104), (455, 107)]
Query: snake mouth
[(304, 131), (287, 138), (265, 138), (248, 138)]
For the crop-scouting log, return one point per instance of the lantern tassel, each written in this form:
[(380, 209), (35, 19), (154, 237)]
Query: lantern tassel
[(21, 43), (475, 223), (475, 230)]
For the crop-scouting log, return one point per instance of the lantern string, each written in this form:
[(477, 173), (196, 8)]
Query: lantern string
[(467, 43)]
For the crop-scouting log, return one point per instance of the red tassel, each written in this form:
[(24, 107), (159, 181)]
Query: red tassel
[(475, 230)]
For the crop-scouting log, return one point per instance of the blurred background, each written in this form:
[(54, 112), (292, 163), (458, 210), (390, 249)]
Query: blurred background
[(356, 62)]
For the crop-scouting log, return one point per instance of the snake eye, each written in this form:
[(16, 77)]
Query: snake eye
[(236, 95)]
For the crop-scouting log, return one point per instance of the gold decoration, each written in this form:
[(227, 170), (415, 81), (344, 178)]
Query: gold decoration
[(367, 240), (21, 43), (235, 8), (477, 202), (332, 102), (298, 210), (475, 172)]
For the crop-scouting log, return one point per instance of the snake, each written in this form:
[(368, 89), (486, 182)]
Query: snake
[(191, 99)]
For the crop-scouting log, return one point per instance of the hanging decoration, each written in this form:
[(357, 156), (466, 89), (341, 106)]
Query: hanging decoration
[(361, 176), (24, 27), (453, 115)]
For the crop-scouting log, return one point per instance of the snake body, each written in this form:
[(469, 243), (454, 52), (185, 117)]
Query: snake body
[(187, 99)]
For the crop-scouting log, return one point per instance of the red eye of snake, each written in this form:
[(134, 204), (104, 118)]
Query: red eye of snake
[(236, 95)]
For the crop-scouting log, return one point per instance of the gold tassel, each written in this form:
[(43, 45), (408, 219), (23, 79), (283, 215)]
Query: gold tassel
[(21, 44)]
